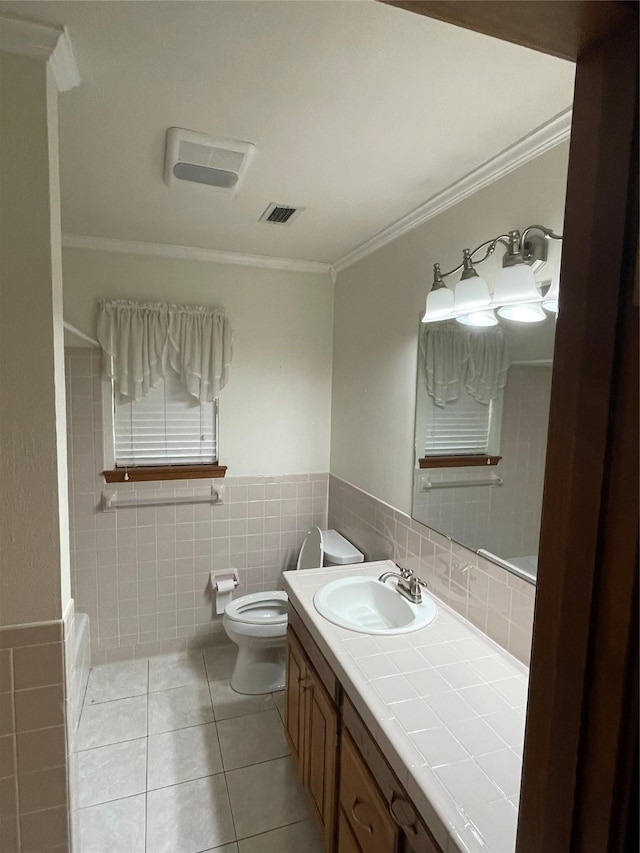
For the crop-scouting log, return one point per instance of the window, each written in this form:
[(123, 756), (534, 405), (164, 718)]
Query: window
[(165, 435), (462, 428)]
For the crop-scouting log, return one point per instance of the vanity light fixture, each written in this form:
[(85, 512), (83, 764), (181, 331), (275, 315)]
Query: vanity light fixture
[(440, 299), (527, 312), (516, 296), (551, 297), (478, 318)]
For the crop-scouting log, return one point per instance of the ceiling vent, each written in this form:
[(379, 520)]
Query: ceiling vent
[(202, 159), (280, 214)]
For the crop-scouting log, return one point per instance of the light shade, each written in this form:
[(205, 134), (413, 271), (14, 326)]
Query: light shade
[(439, 305), (478, 318), (471, 294), (551, 297), (515, 284), (530, 312)]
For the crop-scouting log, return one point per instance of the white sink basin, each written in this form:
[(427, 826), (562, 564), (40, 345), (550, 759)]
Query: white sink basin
[(371, 607)]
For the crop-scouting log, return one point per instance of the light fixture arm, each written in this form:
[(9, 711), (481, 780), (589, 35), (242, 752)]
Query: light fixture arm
[(491, 247), (548, 232), (533, 247)]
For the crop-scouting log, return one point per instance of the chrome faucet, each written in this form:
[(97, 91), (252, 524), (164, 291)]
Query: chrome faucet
[(409, 586)]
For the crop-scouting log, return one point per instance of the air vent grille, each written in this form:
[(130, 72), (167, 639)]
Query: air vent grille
[(280, 214)]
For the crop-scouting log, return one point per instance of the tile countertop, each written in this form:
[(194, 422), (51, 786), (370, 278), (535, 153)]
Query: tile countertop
[(445, 704)]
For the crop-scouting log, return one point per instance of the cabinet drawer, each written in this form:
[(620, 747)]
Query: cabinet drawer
[(362, 804), (397, 803), (346, 841)]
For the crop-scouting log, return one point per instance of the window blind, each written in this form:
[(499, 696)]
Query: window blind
[(461, 427), (168, 426)]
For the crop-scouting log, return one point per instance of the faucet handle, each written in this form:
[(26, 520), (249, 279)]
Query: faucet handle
[(406, 573), (416, 583)]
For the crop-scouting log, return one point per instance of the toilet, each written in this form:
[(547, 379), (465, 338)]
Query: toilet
[(257, 623)]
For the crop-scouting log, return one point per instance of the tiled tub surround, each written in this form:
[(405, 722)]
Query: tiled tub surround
[(33, 739), (171, 760), (445, 705), (141, 574), (494, 600)]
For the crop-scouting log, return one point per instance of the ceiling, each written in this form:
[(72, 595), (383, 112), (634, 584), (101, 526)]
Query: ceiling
[(359, 112)]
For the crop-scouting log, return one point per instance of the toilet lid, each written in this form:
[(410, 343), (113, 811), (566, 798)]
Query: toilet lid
[(260, 608), (311, 554)]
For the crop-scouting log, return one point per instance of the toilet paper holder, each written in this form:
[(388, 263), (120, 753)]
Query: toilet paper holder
[(223, 584)]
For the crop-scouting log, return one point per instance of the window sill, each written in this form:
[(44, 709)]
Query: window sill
[(458, 461), (164, 472)]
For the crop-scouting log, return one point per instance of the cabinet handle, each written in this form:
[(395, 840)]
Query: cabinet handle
[(409, 827), (366, 826)]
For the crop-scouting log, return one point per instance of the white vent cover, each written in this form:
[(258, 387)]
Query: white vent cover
[(280, 214), (202, 159)]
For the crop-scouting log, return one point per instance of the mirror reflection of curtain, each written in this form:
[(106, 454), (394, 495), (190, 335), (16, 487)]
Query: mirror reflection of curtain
[(454, 358)]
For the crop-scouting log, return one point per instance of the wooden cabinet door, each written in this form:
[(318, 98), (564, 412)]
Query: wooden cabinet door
[(362, 804), (346, 841), (294, 700), (320, 753)]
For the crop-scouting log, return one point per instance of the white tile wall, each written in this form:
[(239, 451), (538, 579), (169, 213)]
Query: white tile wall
[(494, 600), (141, 573)]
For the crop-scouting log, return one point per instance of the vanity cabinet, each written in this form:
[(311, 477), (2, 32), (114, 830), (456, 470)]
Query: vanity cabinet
[(312, 731), (361, 806)]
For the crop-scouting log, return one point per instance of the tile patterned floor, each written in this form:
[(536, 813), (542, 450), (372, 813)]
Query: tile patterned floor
[(172, 760)]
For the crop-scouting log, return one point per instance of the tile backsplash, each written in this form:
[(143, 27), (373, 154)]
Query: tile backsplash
[(494, 600), (141, 573)]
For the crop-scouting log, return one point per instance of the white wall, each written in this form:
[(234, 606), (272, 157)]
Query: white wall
[(34, 564), (378, 302), (275, 410)]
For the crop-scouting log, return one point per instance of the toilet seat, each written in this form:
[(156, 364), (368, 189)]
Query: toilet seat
[(259, 608)]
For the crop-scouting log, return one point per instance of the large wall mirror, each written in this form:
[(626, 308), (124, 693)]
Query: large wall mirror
[(482, 410)]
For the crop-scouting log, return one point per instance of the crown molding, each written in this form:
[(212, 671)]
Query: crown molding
[(168, 250), (545, 137), (40, 41)]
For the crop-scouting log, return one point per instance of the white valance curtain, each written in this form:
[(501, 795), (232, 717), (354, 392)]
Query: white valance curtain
[(141, 340), (454, 358)]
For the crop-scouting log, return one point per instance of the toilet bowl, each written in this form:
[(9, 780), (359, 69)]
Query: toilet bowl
[(257, 623)]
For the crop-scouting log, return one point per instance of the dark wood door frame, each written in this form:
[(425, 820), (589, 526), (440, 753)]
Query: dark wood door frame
[(580, 760)]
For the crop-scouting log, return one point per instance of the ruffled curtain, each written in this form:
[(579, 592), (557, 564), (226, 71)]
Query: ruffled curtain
[(455, 358), (445, 359), (141, 340)]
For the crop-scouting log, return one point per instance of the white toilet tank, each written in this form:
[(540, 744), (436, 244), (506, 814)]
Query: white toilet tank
[(338, 551), (327, 548)]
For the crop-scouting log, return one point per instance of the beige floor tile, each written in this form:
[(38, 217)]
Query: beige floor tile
[(227, 703), (220, 661), (280, 702), (297, 837), (179, 708), (112, 722), (190, 817), (251, 739), (266, 796), (117, 681), (112, 772), (183, 755), (179, 670), (115, 827)]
